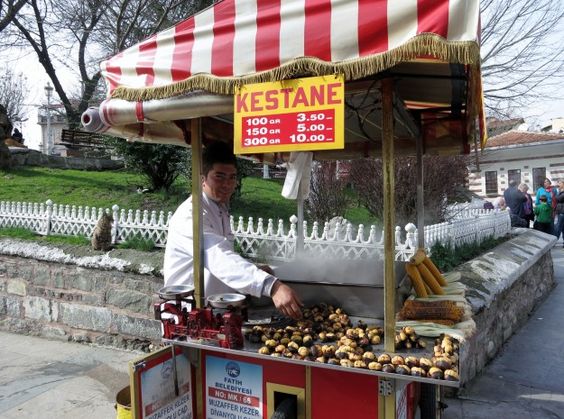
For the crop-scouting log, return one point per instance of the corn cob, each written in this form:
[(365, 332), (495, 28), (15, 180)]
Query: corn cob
[(430, 279), (431, 310), (435, 271), (416, 280)]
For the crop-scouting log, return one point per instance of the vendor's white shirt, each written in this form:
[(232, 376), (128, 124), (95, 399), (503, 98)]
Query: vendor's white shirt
[(224, 269)]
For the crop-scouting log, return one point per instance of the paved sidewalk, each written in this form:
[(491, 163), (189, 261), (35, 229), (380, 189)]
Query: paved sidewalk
[(40, 378), (526, 380)]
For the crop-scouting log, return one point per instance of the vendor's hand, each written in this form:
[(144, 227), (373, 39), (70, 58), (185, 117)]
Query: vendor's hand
[(265, 268), (286, 300)]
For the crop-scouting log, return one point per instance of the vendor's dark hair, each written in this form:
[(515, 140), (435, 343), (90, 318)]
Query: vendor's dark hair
[(217, 152)]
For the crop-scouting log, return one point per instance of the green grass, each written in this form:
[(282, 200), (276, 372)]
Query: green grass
[(77, 240), (138, 243), (259, 197), (25, 234), (17, 233), (85, 188)]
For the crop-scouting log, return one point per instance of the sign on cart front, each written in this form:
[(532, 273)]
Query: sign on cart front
[(234, 389)]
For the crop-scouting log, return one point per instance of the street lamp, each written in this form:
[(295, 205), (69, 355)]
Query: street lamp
[(48, 147)]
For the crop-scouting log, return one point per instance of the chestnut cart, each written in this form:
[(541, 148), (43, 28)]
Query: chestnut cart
[(340, 79)]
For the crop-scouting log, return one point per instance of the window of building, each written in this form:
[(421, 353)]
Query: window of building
[(491, 182), (514, 174), (539, 175)]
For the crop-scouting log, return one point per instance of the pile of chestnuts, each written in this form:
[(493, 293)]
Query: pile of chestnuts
[(326, 335)]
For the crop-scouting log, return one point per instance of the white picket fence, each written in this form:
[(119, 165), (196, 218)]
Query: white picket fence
[(71, 220), (265, 240)]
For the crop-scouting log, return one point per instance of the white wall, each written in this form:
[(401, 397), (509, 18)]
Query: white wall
[(549, 155)]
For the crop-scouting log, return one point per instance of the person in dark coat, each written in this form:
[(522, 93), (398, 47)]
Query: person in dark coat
[(528, 213), (560, 211), (17, 135), (515, 199)]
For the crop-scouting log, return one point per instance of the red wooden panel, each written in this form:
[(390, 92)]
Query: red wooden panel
[(339, 395)]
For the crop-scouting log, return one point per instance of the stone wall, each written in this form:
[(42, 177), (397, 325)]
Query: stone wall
[(27, 157), (110, 303), (504, 286)]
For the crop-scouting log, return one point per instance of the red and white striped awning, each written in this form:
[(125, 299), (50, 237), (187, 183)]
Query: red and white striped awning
[(243, 41)]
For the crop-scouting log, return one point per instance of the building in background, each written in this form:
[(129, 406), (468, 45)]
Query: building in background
[(526, 157)]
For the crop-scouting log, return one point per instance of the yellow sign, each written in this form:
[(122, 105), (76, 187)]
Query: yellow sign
[(290, 115)]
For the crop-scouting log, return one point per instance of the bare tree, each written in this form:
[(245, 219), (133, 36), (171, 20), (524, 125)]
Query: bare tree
[(522, 52), (78, 34), (8, 10), (13, 91), (327, 197), (439, 189)]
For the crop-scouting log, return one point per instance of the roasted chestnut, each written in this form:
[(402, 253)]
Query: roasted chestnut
[(398, 360), (359, 364), (403, 369), (384, 359), (418, 372), (375, 366), (264, 351), (436, 373), (375, 340), (328, 350), (303, 351), (346, 363), (425, 363), (412, 361), (388, 368), (451, 375), (369, 356), (270, 343), (316, 350), (293, 347), (442, 363)]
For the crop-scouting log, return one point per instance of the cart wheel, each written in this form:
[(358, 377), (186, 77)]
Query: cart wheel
[(428, 401), (286, 409)]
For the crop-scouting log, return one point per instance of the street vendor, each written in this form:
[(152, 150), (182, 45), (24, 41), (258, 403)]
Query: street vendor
[(224, 270)]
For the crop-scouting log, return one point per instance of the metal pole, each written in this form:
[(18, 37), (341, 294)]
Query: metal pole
[(389, 242), (197, 251), (48, 91), (420, 202), (300, 226)]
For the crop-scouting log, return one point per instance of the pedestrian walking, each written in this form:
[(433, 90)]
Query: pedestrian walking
[(528, 213), (543, 216), (560, 211), (550, 192), (515, 199)]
